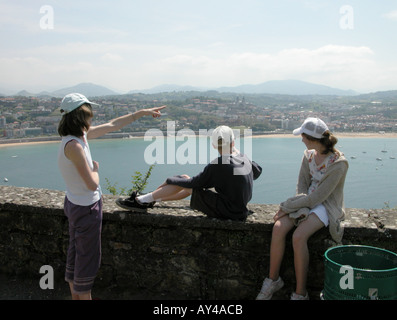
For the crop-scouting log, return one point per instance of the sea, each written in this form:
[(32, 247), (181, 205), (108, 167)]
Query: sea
[(371, 181)]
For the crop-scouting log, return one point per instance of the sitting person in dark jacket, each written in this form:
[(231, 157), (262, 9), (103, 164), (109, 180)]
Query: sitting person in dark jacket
[(222, 190)]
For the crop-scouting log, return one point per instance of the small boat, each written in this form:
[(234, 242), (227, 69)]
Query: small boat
[(392, 157), (352, 157), (5, 180), (379, 159)]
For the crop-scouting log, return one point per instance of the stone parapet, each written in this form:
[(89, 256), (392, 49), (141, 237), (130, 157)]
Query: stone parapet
[(172, 252)]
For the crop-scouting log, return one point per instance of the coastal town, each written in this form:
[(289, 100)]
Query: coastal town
[(38, 116)]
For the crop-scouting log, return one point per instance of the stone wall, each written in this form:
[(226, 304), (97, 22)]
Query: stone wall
[(172, 252)]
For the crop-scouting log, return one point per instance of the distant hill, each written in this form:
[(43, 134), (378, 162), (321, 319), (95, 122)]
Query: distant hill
[(290, 87), (275, 87), (168, 88), (88, 89), (384, 96), (24, 93)]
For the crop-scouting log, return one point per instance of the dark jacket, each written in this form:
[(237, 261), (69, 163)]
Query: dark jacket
[(232, 178)]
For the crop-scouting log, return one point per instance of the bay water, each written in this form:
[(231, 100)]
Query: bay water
[(371, 180)]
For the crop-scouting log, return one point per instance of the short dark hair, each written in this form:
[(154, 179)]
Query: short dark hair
[(75, 122)]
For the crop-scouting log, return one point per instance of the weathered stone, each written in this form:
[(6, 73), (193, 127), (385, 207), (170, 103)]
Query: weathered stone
[(172, 251)]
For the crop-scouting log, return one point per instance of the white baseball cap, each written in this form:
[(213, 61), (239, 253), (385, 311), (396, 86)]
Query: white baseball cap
[(73, 101), (313, 127), (222, 132)]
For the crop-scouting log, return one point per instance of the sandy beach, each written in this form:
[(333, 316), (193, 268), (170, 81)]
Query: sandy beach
[(4, 145), (341, 135), (338, 135)]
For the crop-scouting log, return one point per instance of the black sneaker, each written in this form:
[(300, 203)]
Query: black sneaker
[(131, 205), (133, 196), (149, 205)]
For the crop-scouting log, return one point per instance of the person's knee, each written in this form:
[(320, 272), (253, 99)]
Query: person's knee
[(277, 228), (305, 230), (299, 239), (281, 228)]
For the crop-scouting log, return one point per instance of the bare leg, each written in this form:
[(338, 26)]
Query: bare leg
[(74, 296), (301, 253), (170, 192), (277, 247), (85, 296)]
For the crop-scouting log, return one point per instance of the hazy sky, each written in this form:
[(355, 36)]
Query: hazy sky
[(138, 44)]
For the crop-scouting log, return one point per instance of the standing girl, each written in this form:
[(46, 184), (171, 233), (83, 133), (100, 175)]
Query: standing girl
[(83, 200), (318, 203)]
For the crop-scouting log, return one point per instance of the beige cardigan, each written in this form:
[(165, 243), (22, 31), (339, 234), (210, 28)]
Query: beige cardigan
[(329, 193)]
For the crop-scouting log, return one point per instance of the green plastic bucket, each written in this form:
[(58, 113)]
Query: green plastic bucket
[(360, 273)]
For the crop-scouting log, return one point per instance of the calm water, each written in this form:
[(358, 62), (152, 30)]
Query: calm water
[(369, 184)]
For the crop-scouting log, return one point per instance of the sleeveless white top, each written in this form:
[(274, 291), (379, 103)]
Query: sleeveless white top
[(76, 189)]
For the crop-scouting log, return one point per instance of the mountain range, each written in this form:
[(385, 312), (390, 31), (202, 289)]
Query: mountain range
[(287, 87), (88, 89), (291, 87)]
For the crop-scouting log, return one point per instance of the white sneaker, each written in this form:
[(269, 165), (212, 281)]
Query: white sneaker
[(295, 296), (269, 287)]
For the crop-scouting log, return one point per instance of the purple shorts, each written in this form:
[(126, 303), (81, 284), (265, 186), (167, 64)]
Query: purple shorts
[(84, 252)]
